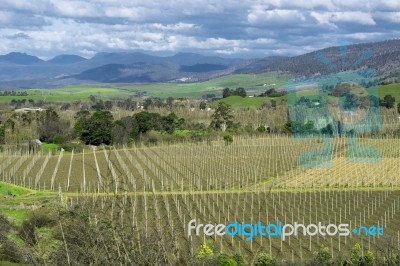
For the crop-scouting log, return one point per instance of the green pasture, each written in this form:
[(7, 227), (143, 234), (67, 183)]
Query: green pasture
[(253, 83), (257, 82)]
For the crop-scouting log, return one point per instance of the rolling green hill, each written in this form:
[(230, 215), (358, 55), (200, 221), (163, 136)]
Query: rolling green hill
[(250, 82), (239, 102), (253, 83)]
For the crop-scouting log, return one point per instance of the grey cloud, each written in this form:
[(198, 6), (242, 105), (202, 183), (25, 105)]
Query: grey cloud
[(247, 27), (23, 21), (19, 35)]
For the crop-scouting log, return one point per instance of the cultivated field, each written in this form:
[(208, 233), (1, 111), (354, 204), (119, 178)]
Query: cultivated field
[(158, 190)]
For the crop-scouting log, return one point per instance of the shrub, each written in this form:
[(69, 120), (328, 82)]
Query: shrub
[(225, 260), (27, 232), (58, 138), (204, 251), (9, 251), (261, 129), (5, 226), (239, 259), (322, 257), (41, 218), (228, 138), (265, 259)]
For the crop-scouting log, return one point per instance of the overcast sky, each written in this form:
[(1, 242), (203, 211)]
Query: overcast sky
[(241, 28)]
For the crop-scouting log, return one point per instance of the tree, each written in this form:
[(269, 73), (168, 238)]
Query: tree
[(65, 106), (203, 106), (170, 102), (328, 130), (97, 129), (222, 117), (92, 98), (226, 92), (147, 103), (128, 104), (303, 129), (108, 105), (51, 125), (398, 108), (171, 122), (121, 130), (99, 105), (157, 102), (241, 92), (144, 122), (238, 92), (388, 101), (82, 123)]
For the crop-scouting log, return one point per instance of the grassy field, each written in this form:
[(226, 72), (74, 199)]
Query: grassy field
[(254, 84), (163, 90), (17, 204), (239, 102), (392, 89), (196, 90), (72, 93)]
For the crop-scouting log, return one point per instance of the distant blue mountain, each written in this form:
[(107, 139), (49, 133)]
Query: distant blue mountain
[(137, 72), (194, 59), (20, 69), (202, 68), (66, 59), (23, 70), (20, 59)]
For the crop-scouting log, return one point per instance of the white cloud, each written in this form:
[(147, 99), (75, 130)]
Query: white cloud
[(356, 17), (333, 18), (363, 36), (277, 16), (50, 27)]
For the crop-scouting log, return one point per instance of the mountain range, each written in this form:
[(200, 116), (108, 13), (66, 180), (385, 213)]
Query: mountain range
[(383, 57), (20, 70)]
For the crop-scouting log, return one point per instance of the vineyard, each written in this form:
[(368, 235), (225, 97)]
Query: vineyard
[(167, 215), (247, 164), (158, 190)]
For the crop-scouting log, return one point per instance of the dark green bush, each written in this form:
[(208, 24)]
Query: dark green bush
[(9, 251)]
